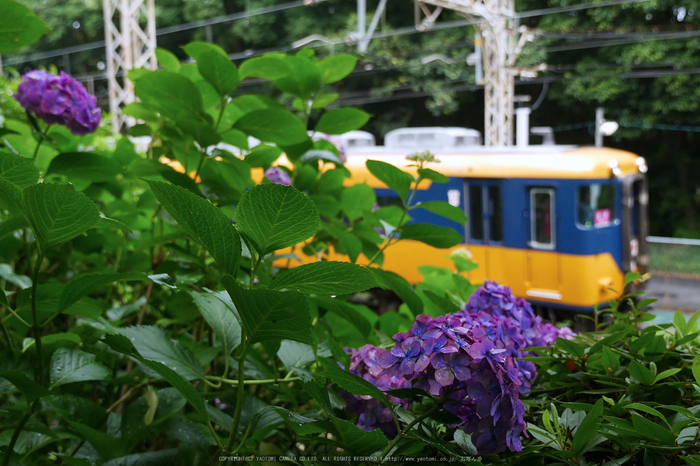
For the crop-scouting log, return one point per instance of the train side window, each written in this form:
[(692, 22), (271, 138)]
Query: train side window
[(596, 205), (495, 214), (476, 213), (542, 218)]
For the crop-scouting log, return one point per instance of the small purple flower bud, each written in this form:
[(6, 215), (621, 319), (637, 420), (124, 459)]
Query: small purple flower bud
[(278, 176)]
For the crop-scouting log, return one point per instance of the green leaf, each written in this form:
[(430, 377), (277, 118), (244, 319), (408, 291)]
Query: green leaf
[(652, 430), (357, 200), (203, 222), (303, 80), (197, 48), (82, 285), (58, 213), (168, 93), (13, 224), (51, 342), (647, 409), (432, 175), (22, 281), (323, 100), (438, 237), (352, 383), (70, 365), (342, 120), (18, 170), (19, 26), (267, 67), (347, 312), (321, 155), (611, 361), (399, 285), (665, 374), (153, 345), (220, 319), (84, 166), (393, 177), (358, 441), (167, 60), (219, 71), (445, 210), (273, 125), (588, 428), (30, 389), (105, 444), (12, 191), (696, 369), (330, 278), (271, 315), (336, 67), (273, 217), (641, 373)]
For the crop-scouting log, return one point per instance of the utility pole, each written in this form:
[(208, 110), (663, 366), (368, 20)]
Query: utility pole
[(129, 45), (495, 24)]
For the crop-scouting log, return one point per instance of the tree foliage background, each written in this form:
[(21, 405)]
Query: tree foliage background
[(638, 60)]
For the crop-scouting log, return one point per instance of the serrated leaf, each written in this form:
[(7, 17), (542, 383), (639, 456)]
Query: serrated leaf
[(168, 93), (303, 80), (271, 315), (195, 49), (58, 213), (588, 428), (445, 210), (19, 26), (432, 235), (203, 222), (73, 365), (18, 170), (83, 284), (342, 120), (274, 125), (357, 200), (273, 217), (220, 319), (84, 166), (219, 71), (30, 389), (358, 441), (330, 278), (152, 344), (393, 177)]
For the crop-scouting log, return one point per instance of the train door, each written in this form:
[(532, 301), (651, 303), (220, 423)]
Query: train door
[(542, 262), (634, 224), (485, 226)]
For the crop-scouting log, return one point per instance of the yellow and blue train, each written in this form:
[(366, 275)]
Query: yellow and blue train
[(560, 225)]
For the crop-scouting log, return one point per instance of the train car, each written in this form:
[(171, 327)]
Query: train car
[(560, 225)]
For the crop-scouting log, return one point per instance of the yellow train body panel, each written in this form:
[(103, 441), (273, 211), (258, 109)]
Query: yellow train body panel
[(548, 277)]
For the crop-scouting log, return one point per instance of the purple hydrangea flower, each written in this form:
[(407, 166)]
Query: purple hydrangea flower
[(59, 99), (278, 176)]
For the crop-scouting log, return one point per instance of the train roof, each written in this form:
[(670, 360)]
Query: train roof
[(555, 162)]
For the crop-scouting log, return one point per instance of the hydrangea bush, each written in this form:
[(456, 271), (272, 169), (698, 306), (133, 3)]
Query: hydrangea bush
[(59, 100), (468, 360)]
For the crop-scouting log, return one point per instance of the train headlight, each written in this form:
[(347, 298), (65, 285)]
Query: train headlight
[(642, 164)]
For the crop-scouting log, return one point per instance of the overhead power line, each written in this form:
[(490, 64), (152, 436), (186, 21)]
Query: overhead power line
[(159, 32)]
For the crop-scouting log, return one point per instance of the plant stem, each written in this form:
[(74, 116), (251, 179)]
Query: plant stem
[(15, 435), (239, 396), (35, 320), (253, 382), (221, 113), (405, 430), (199, 166)]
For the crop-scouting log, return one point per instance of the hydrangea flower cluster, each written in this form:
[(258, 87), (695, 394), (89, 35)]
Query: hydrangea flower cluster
[(59, 99), (468, 359), (278, 176)]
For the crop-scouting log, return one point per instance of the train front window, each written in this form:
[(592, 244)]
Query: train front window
[(542, 218), (477, 213), (596, 205)]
